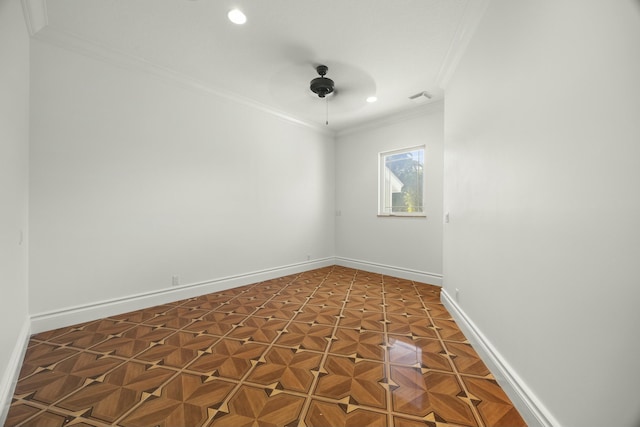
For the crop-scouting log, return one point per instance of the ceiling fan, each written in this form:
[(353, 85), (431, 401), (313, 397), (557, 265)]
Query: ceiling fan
[(322, 86), (303, 81)]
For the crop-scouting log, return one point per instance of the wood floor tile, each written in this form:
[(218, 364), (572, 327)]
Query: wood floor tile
[(448, 330), (358, 302), (423, 353), (92, 334), (328, 299), (216, 323), (332, 346), (293, 291), (51, 384), (306, 337), (50, 419), (363, 345), (466, 359), (323, 414), (49, 335), (406, 306), (120, 391), (429, 422), (295, 298), (334, 284), (359, 283), (133, 341), (278, 309), (144, 314), (287, 369), (265, 290), (204, 303), (369, 292), (364, 320), (313, 314), (252, 406), (438, 311), (411, 325), (229, 359), (493, 404), (259, 329), (236, 307), (252, 299), (359, 381), (178, 349), (170, 319), (369, 277), (19, 412), (185, 401), (430, 394), (279, 282), (306, 285), (44, 355)]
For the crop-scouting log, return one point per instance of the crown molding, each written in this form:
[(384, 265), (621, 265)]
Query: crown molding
[(471, 19), (35, 15), (397, 117), (92, 49)]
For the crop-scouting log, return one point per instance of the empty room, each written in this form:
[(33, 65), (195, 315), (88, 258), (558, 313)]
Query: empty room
[(319, 213)]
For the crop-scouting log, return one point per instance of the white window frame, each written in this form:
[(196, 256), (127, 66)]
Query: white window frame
[(383, 183)]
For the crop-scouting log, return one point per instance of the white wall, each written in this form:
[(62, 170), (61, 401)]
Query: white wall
[(407, 244), (14, 149), (136, 178), (542, 167)]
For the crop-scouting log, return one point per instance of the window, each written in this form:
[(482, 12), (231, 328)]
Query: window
[(401, 183)]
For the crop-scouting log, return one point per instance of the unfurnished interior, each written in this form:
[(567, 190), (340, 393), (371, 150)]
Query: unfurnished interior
[(126, 185)]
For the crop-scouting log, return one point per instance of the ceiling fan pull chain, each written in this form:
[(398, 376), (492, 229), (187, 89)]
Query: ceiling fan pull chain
[(327, 121)]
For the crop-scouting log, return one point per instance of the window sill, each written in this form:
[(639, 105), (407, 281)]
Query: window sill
[(401, 216)]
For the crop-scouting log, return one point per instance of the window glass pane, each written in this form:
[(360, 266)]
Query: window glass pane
[(403, 182)]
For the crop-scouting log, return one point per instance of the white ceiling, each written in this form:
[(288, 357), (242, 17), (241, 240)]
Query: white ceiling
[(388, 48)]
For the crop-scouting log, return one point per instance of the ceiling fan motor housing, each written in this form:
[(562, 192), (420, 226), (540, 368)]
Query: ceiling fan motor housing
[(322, 86)]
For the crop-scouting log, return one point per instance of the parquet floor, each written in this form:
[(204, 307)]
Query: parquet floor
[(328, 347)]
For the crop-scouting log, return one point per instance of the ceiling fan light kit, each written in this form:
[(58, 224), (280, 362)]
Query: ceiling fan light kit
[(322, 86)]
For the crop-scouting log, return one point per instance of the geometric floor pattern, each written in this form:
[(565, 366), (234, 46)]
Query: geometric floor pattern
[(328, 347)]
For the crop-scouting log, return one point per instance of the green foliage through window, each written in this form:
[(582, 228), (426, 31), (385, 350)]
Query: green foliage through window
[(402, 182)]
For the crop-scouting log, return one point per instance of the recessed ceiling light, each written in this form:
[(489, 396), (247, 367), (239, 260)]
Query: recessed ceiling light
[(372, 99), (237, 17)]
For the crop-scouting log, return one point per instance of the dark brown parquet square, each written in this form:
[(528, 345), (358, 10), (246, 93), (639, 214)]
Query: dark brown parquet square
[(328, 347)]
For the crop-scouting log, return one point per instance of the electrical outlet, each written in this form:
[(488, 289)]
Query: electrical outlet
[(175, 280)]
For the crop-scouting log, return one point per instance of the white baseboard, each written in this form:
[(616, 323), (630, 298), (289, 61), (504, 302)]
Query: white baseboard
[(530, 407), (84, 313), (403, 273), (73, 315), (11, 371)]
